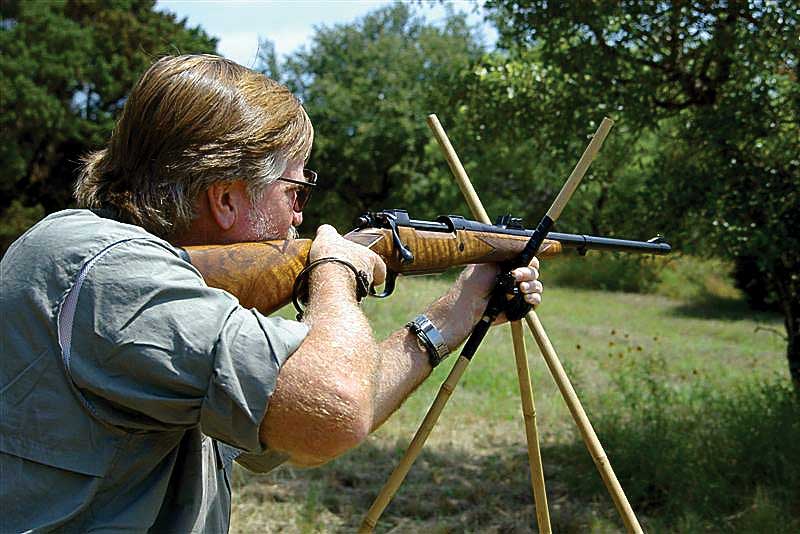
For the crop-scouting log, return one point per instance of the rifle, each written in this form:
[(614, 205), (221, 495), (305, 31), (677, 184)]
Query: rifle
[(262, 274)]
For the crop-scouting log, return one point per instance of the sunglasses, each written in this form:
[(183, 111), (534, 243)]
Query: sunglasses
[(303, 193)]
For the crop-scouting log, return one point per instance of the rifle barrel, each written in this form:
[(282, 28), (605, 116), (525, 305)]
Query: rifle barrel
[(588, 242), (451, 223)]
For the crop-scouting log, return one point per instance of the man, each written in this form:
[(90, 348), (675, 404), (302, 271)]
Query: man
[(128, 385)]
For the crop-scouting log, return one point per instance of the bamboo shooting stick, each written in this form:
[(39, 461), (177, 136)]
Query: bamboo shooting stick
[(517, 338), (545, 346), (398, 475)]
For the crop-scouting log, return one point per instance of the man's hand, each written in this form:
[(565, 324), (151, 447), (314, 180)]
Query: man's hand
[(478, 281), (329, 244)]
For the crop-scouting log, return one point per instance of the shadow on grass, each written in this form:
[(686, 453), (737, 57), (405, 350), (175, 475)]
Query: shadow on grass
[(722, 308), (683, 471), (447, 490)]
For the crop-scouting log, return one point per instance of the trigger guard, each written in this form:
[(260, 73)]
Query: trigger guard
[(388, 286)]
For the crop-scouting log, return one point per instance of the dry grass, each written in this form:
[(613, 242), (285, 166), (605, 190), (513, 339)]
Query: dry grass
[(473, 474)]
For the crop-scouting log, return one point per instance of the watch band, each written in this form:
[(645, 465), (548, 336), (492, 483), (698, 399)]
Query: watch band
[(430, 337)]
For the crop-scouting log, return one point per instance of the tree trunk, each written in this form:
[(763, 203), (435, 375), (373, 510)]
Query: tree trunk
[(789, 296), (793, 346)]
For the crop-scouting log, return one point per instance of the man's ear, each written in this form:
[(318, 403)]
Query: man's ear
[(225, 203)]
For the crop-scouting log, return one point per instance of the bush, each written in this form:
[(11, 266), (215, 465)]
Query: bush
[(16, 219), (610, 272), (748, 277), (730, 458), (677, 276)]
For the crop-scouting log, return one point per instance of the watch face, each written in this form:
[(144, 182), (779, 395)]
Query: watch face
[(425, 331)]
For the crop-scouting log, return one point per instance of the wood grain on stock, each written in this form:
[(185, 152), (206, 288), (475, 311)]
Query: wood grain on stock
[(435, 252), (261, 275)]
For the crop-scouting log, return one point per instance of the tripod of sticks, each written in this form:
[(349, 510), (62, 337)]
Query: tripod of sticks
[(523, 373)]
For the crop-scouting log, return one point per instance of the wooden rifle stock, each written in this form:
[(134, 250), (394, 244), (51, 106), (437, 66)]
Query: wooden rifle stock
[(261, 275)]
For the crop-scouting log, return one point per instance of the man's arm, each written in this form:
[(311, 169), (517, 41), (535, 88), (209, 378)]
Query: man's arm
[(323, 401), (404, 363), (340, 385)]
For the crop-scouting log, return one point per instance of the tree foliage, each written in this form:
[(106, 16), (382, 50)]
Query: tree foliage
[(709, 89), (368, 87), (705, 96), (67, 67)]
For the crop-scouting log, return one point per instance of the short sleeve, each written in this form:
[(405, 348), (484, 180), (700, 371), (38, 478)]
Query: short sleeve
[(258, 462), (262, 462), (154, 348)]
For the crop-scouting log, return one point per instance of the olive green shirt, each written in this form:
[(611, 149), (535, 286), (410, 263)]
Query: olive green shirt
[(127, 386)]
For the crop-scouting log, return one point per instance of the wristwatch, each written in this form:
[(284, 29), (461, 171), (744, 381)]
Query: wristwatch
[(430, 337)]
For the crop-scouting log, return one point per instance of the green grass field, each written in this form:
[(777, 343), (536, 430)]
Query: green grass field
[(690, 399)]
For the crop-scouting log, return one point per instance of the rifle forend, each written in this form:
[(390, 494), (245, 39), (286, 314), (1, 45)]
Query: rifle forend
[(261, 275)]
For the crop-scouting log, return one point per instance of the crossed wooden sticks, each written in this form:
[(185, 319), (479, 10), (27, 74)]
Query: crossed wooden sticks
[(523, 373)]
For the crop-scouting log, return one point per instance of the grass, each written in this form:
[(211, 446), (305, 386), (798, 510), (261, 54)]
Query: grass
[(690, 399)]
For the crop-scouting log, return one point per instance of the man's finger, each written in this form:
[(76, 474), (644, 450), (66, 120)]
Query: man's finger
[(522, 274), (326, 229), (534, 299), (531, 287), (378, 271)]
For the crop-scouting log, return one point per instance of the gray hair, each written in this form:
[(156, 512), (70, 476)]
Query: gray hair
[(192, 121)]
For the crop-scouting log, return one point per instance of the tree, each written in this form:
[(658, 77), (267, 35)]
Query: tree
[(66, 69), (710, 88), (368, 87)]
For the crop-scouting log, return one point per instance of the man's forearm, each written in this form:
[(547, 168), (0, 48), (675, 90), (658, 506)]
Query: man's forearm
[(404, 363), (323, 402), (339, 385)]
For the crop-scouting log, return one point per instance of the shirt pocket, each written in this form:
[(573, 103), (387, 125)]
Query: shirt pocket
[(44, 497), (43, 423), (51, 469)]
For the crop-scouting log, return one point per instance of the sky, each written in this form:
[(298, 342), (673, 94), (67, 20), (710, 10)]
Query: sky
[(289, 24)]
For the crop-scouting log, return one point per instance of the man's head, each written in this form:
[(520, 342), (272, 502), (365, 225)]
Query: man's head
[(193, 128)]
